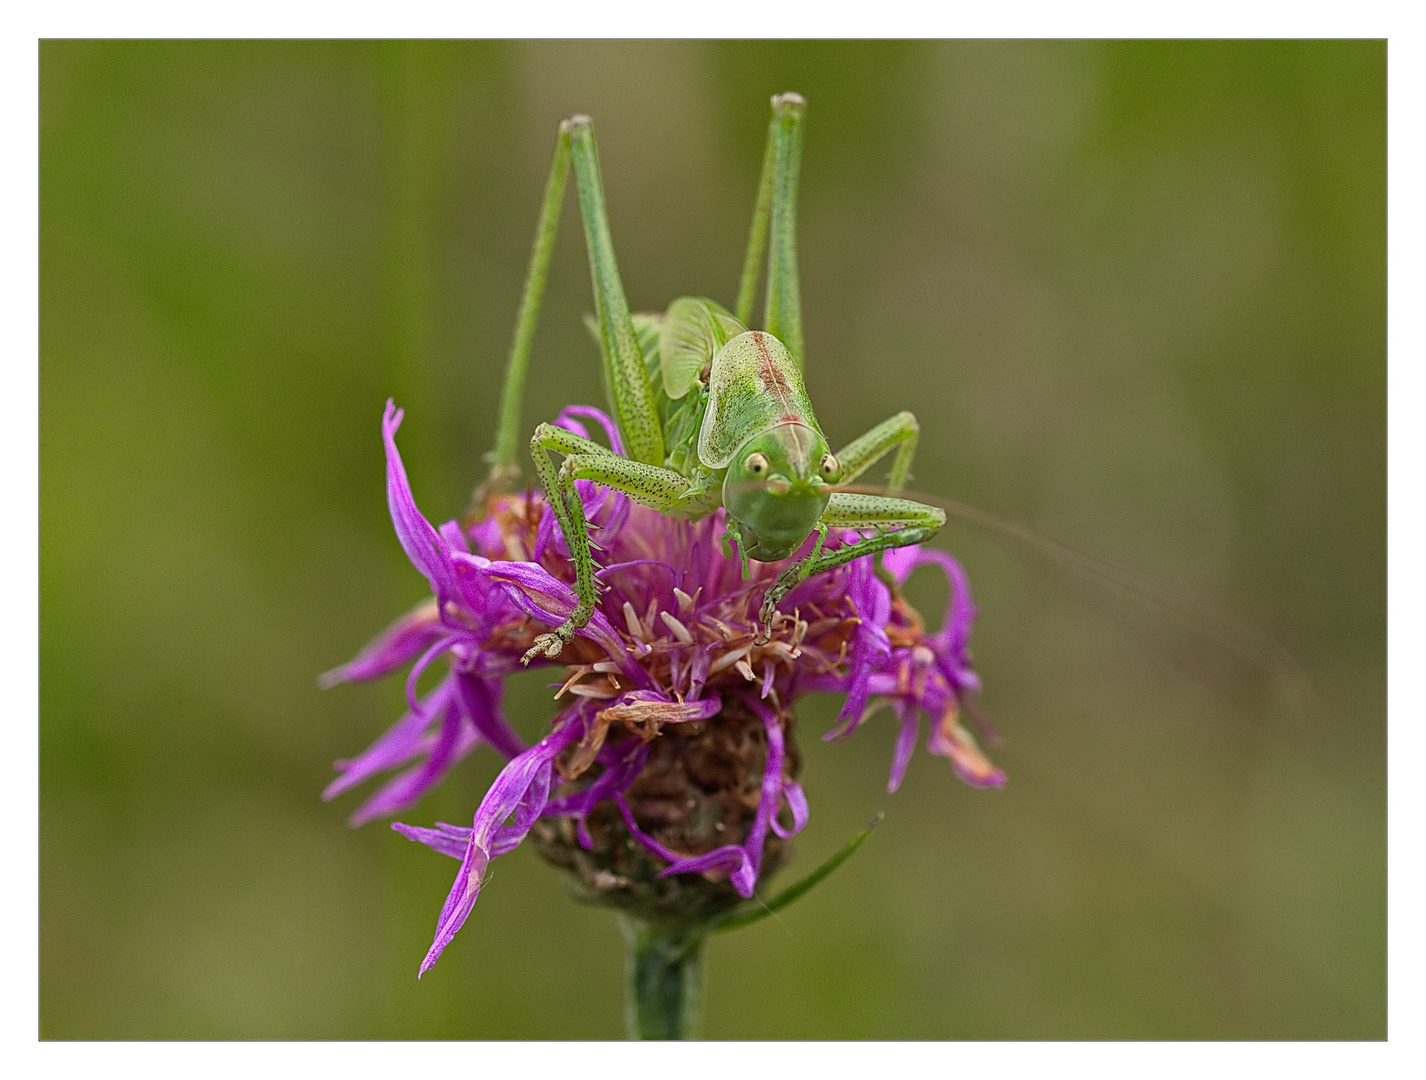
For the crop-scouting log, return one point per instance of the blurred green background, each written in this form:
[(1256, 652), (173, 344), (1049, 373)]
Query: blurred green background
[(1136, 295)]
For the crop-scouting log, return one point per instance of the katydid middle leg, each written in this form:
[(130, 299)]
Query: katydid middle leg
[(662, 489)]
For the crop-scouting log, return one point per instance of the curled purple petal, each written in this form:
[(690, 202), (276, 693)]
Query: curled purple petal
[(797, 803), (960, 612), (442, 645), (511, 787), (589, 412), (422, 544)]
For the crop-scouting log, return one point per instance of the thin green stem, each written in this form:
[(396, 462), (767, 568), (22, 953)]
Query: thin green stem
[(664, 980)]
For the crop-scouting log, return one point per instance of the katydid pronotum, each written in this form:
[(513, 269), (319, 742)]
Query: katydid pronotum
[(712, 412)]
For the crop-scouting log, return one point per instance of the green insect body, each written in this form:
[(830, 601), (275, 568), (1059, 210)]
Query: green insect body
[(712, 413)]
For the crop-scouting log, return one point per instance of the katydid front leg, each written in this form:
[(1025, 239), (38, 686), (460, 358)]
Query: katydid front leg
[(661, 489), (909, 523), (913, 521), (901, 432)]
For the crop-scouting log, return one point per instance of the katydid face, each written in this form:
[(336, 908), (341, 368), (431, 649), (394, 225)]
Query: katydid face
[(775, 489)]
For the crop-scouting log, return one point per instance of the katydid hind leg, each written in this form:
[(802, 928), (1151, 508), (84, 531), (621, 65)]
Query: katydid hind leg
[(626, 378), (783, 316)]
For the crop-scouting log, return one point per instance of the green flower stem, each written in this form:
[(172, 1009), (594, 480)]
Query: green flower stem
[(664, 977)]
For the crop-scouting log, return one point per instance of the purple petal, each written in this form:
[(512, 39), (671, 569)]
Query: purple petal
[(423, 545), (589, 412), (873, 604), (399, 745), (960, 612), (480, 701), (489, 540), (447, 839), (899, 562), (745, 877), (905, 742), (511, 787), (768, 672), (728, 857), (407, 788), (454, 536), (797, 803), (397, 645), (698, 674), (420, 666)]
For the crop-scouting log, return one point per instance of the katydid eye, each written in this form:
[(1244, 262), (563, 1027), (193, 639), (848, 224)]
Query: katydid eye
[(829, 467), (756, 464)]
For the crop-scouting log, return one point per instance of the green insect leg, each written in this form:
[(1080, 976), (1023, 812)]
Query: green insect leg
[(898, 523), (626, 378), (900, 432), (584, 459), (775, 218)]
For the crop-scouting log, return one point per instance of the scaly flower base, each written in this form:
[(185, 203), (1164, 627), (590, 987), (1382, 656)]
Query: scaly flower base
[(699, 789)]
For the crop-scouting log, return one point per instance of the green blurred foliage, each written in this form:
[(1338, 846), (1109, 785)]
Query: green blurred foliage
[(1136, 295)]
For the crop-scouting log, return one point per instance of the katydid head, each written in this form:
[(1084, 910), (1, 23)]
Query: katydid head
[(777, 488)]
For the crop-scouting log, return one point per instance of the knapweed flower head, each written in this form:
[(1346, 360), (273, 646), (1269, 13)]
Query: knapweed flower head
[(667, 783)]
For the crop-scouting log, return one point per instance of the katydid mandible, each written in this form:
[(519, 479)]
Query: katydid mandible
[(712, 413)]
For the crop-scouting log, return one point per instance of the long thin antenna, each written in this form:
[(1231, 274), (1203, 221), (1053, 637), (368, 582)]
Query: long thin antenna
[(1238, 635)]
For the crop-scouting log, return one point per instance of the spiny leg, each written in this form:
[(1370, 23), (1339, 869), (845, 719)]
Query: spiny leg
[(900, 432), (775, 216), (661, 489), (626, 379), (503, 468), (899, 523)]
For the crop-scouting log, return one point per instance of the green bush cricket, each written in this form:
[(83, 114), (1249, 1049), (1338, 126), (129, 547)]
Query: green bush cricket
[(712, 413)]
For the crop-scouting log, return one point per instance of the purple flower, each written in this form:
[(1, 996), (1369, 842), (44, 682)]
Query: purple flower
[(671, 759)]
